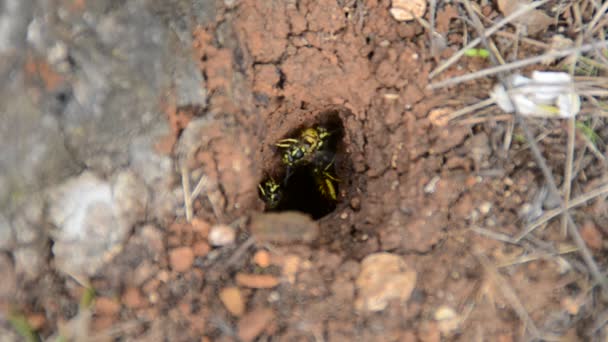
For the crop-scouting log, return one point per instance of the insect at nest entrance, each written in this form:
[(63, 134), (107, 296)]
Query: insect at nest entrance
[(311, 169)]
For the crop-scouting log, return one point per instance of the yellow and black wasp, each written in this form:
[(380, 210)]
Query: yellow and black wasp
[(324, 180), (301, 151), (271, 192)]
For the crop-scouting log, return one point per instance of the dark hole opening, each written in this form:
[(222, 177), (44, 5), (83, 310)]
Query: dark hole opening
[(305, 188)]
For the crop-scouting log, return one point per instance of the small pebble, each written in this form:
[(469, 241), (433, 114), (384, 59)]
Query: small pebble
[(181, 258), (200, 226), (201, 248), (383, 277), (232, 299), (253, 323), (355, 203), (262, 258), (221, 235), (591, 235), (485, 207), (106, 306), (257, 281), (36, 321), (132, 298), (404, 10)]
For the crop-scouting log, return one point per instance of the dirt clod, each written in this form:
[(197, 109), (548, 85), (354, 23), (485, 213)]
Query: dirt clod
[(232, 299), (181, 258), (284, 228), (132, 298), (106, 306), (591, 235), (254, 322), (383, 277), (257, 281), (201, 248)]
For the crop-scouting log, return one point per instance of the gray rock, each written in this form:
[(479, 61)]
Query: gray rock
[(14, 15), (8, 285), (29, 262), (35, 155), (93, 219), (6, 233)]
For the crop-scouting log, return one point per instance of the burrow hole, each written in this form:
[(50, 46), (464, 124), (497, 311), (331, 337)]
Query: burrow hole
[(301, 191)]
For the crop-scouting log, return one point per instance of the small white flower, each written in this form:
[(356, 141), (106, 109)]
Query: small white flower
[(546, 94)]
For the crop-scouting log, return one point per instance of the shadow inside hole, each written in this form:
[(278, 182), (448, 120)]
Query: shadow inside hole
[(302, 191)]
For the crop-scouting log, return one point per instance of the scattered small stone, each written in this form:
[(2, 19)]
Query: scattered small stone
[(201, 248), (344, 215), (232, 299), (181, 258), (257, 281), (405, 10), (36, 321), (221, 235), (591, 235), (571, 305), (355, 203), (284, 228), (201, 227), (106, 306), (262, 258), (431, 186), (485, 208), (254, 322), (383, 277), (447, 318), (291, 264), (132, 298)]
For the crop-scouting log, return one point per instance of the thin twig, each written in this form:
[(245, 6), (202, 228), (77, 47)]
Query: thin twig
[(516, 65), (573, 229), (532, 257), (568, 172), (202, 183), (493, 235), (519, 12), (577, 201), (508, 292), (523, 39), (186, 189), (598, 15)]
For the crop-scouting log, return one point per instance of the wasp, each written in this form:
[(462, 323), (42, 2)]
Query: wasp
[(324, 181), (301, 151), (271, 192)]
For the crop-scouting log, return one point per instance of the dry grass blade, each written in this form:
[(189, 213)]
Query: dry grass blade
[(521, 11), (580, 200), (508, 293), (202, 183), (598, 15), (186, 190), (568, 172), (536, 256), (493, 235), (516, 65), (572, 228)]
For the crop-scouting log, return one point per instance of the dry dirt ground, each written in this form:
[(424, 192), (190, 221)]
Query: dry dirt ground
[(438, 197)]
